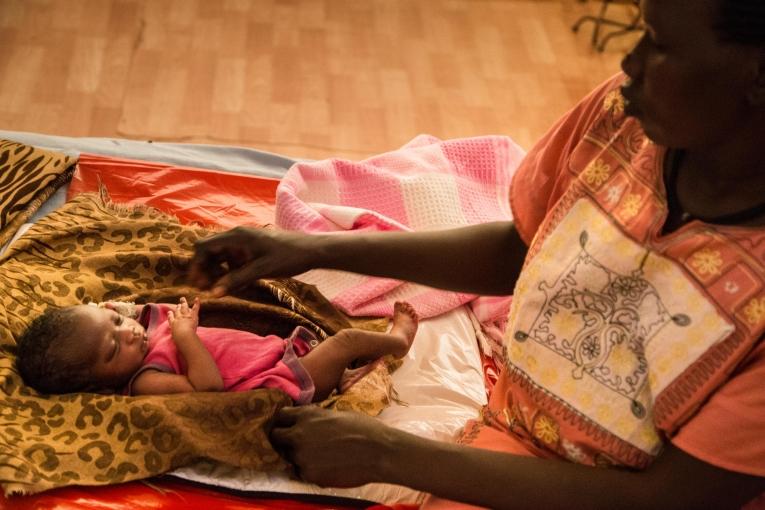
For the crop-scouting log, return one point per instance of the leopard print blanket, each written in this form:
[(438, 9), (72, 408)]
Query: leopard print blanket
[(28, 177), (90, 250)]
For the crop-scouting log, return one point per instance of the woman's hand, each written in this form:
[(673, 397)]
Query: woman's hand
[(184, 321), (330, 448), (235, 258)]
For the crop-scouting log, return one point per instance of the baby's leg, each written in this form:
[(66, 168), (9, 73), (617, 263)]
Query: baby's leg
[(327, 362)]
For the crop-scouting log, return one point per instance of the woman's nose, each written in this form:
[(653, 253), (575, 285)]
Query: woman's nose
[(631, 63)]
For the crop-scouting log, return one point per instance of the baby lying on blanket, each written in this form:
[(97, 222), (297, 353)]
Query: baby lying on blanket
[(160, 348)]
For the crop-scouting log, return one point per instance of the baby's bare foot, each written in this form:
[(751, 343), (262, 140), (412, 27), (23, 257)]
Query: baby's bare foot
[(405, 322), (367, 346)]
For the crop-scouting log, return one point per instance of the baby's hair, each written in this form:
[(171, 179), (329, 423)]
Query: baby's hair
[(44, 357), (743, 21)]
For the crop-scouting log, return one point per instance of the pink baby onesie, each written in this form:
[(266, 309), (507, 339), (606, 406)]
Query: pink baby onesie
[(246, 361)]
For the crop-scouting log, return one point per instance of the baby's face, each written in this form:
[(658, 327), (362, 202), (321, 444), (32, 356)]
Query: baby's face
[(118, 344)]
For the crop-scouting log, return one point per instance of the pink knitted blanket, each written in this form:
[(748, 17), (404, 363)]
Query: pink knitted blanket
[(427, 184)]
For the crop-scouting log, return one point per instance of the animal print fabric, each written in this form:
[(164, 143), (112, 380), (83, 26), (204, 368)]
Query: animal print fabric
[(90, 250), (28, 177)]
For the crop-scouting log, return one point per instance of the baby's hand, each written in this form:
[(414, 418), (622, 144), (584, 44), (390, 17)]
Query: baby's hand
[(184, 320)]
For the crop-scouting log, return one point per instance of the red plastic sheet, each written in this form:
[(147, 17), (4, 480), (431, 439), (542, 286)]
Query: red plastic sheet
[(164, 494), (208, 197)]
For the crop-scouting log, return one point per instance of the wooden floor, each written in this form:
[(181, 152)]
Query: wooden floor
[(307, 78)]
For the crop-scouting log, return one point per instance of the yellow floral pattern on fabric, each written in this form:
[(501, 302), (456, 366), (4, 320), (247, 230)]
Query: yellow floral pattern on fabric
[(631, 206), (546, 429), (707, 262), (755, 311), (596, 173), (614, 101)]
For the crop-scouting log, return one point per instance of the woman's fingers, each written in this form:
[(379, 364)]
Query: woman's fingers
[(280, 439), (234, 259), (207, 259), (281, 433), (212, 255), (286, 423), (287, 416), (236, 279), (329, 448)]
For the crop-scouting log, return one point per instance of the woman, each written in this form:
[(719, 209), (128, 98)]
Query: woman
[(637, 267)]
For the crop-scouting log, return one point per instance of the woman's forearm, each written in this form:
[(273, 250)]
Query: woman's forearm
[(485, 478), (498, 480), (480, 259), (341, 449)]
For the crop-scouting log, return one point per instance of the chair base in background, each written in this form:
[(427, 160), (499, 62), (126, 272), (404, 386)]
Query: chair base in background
[(599, 40)]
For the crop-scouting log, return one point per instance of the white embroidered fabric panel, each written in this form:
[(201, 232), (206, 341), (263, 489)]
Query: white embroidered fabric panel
[(595, 321)]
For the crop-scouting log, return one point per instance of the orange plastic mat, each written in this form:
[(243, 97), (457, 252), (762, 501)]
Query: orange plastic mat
[(167, 494), (207, 197)]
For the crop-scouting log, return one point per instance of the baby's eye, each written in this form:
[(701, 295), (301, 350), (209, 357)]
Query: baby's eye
[(118, 319)]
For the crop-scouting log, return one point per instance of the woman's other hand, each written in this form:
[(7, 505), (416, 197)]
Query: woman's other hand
[(331, 448), (233, 259)]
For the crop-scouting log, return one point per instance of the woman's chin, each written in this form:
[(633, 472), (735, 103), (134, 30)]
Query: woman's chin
[(653, 133), (649, 129)]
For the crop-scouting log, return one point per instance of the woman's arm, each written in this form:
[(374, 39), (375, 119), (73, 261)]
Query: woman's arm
[(480, 259), (345, 449)]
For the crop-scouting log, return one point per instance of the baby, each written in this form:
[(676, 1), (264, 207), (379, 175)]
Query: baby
[(160, 349)]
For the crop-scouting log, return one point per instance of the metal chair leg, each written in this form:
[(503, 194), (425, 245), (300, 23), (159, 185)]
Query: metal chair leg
[(600, 20), (597, 20)]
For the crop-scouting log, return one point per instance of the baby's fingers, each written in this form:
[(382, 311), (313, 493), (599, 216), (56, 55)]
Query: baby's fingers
[(170, 317), (196, 306), (183, 306)]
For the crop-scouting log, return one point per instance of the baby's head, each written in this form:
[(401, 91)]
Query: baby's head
[(80, 348)]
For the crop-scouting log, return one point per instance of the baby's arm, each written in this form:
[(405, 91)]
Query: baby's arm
[(201, 371), (155, 382)]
